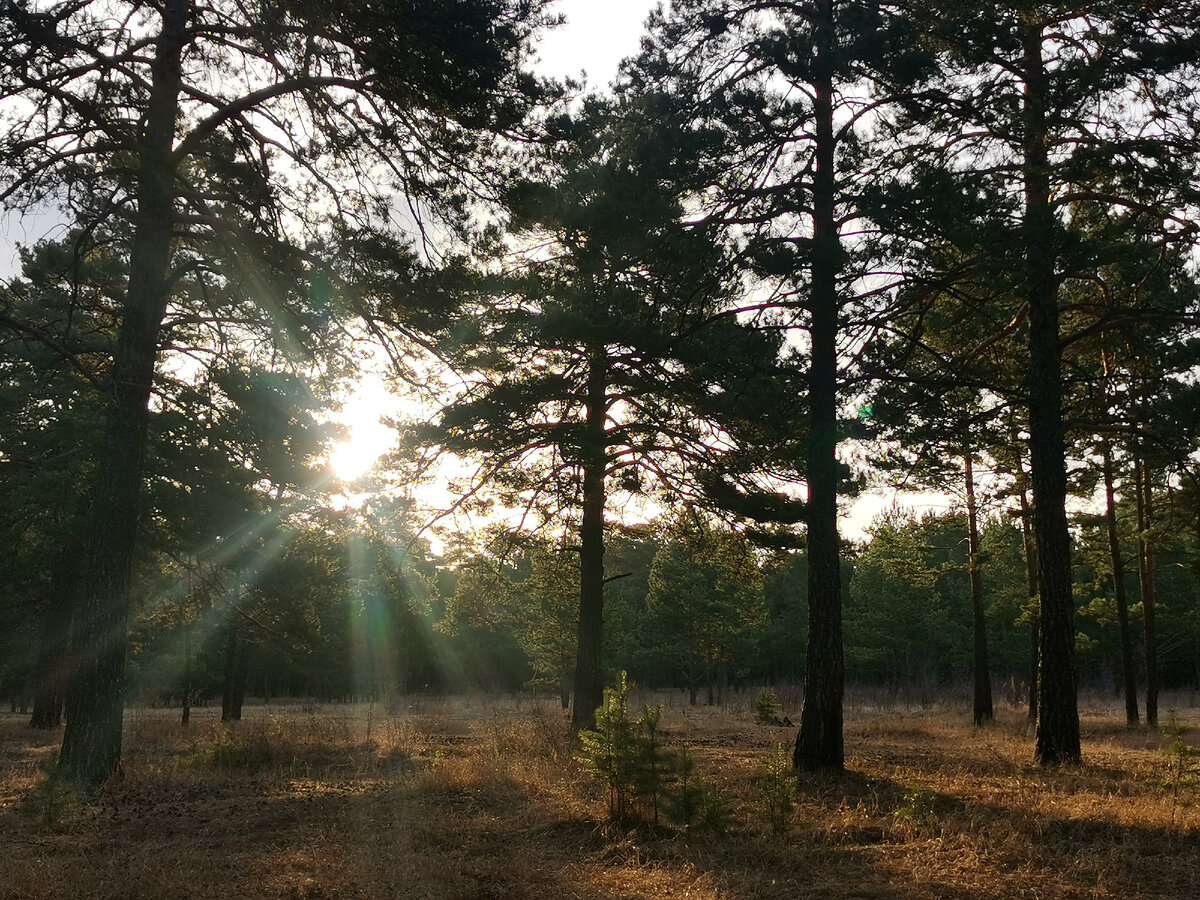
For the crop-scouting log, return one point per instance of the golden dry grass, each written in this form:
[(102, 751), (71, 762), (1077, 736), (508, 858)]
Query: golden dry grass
[(476, 799)]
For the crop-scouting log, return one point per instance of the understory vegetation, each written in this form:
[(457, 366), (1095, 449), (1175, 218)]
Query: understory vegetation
[(466, 798)]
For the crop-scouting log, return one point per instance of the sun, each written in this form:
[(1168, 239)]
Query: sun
[(368, 437)]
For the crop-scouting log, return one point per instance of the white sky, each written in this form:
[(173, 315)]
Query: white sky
[(597, 35)]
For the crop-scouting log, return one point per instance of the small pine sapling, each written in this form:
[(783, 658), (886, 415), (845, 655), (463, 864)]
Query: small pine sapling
[(777, 788), (768, 710), (608, 752), (1181, 770)]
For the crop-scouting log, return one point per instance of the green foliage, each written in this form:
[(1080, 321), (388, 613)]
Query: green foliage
[(704, 608), (917, 808), (624, 754), (1183, 770), (643, 780), (767, 708), (54, 799), (776, 787), (907, 614), (231, 750)]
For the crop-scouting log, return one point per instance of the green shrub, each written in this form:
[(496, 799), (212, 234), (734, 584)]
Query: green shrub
[(917, 808), (1181, 767), (55, 798), (644, 781), (231, 750), (767, 708), (777, 789)]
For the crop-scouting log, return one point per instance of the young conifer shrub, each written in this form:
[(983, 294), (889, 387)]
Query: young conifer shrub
[(767, 708), (777, 789), (646, 782), (1181, 768), (611, 752)]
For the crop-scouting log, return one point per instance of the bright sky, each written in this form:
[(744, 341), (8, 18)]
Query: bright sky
[(597, 35)]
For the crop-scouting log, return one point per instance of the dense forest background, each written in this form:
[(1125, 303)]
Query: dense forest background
[(646, 340)]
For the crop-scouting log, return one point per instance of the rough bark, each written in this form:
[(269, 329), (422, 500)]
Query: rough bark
[(91, 748), (1032, 593), (589, 674), (982, 711), (1128, 673), (233, 691), (1058, 719), (1147, 579), (53, 662), (819, 744)]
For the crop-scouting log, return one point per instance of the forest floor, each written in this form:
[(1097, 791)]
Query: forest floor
[(456, 798)]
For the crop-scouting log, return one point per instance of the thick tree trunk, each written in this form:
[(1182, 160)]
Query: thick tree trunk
[(1147, 579), (983, 711), (1058, 718), (589, 673), (819, 744), (1128, 673), (91, 748), (1033, 603), (53, 662)]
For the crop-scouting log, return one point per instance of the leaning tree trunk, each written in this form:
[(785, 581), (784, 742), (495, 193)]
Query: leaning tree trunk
[(983, 711), (589, 673), (1033, 602), (91, 748), (819, 744), (1058, 713), (1147, 579), (1128, 673)]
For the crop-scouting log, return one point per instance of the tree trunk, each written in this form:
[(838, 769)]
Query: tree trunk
[(1147, 580), (564, 689), (1033, 604), (589, 674), (983, 711), (91, 748), (1129, 677), (53, 662), (233, 691), (186, 715), (1058, 719), (819, 744)]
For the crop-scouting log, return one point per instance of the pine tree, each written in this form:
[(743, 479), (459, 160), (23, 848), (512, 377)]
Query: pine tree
[(599, 362), (173, 123), (1045, 100)]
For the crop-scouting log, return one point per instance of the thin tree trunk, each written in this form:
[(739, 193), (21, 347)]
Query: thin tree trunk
[(564, 689), (91, 748), (1147, 579), (983, 711), (589, 674), (819, 744), (1128, 673), (1058, 719), (1033, 603), (186, 715)]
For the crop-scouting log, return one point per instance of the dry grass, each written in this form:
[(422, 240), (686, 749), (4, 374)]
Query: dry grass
[(470, 799)]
